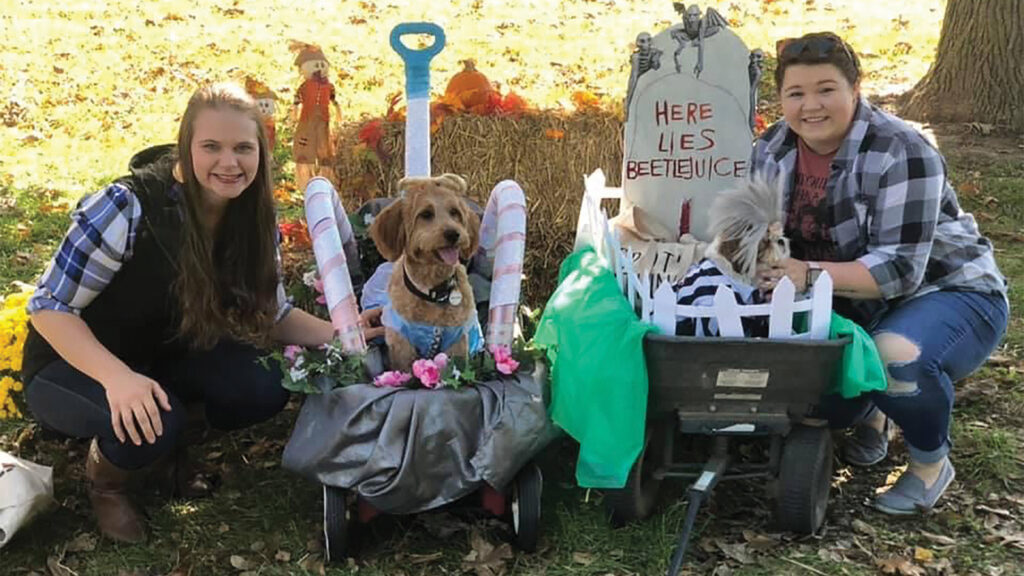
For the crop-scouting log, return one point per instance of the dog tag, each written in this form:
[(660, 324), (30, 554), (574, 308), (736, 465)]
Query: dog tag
[(455, 297)]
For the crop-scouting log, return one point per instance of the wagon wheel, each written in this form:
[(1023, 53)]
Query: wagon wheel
[(805, 475), (526, 498), (337, 516), (635, 501)]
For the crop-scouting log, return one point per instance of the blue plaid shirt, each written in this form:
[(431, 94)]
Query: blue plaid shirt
[(97, 244), (892, 206)]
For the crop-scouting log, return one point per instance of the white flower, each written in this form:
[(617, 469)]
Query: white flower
[(309, 278)]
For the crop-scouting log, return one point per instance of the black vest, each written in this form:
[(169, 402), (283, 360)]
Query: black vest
[(136, 315)]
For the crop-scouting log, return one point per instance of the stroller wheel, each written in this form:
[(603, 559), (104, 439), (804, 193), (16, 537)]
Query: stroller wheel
[(526, 493), (805, 476), (635, 501), (336, 519)]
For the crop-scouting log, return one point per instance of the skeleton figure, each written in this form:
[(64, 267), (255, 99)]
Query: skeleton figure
[(694, 30), (646, 57), (755, 69)]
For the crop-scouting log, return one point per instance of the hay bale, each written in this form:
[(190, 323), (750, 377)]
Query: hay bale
[(548, 154)]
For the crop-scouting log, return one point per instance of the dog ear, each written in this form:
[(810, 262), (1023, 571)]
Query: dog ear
[(387, 231), (473, 229)]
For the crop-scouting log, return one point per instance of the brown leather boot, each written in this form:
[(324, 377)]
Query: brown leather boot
[(117, 516), (177, 476)]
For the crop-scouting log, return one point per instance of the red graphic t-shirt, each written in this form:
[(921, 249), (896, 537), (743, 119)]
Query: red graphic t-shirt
[(808, 220)]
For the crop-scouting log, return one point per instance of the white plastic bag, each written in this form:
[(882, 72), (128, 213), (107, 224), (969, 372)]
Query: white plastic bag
[(26, 489)]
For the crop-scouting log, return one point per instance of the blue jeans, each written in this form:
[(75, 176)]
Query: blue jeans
[(926, 343), (236, 389)]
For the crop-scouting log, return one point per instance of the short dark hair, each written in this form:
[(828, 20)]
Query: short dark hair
[(816, 48)]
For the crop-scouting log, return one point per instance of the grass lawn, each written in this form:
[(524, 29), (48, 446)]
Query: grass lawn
[(98, 81)]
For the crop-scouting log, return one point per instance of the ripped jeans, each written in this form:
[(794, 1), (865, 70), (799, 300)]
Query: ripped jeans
[(926, 344)]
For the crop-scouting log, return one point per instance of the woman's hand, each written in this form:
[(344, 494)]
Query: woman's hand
[(369, 321), (133, 403), (796, 270)]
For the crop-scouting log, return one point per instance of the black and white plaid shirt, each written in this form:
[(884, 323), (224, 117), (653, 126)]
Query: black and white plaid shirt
[(892, 206)]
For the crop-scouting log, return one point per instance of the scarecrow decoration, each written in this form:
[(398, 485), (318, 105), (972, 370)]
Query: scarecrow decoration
[(266, 100), (312, 146)]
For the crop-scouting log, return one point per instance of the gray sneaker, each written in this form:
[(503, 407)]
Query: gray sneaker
[(867, 446), (908, 496)]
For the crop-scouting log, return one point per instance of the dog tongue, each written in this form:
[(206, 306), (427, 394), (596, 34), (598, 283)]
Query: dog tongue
[(449, 255)]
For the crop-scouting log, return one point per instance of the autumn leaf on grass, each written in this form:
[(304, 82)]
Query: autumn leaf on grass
[(84, 542), (239, 562), (899, 566), (939, 538), (761, 542), (554, 134), (485, 559), (51, 207), (969, 188), (923, 554), (864, 528), (584, 100)]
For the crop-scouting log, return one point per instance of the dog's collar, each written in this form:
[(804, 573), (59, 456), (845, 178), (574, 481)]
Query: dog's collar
[(446, 292)]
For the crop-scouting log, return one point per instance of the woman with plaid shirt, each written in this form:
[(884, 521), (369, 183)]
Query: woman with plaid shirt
[(868, 200)]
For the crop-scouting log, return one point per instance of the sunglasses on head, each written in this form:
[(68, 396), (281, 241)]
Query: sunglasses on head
[(818, 46)]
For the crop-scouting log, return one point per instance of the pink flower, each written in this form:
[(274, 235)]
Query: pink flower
[(291, 352), (392, 379), (318, 285), (441, 360), (428, 373), (503, 360)]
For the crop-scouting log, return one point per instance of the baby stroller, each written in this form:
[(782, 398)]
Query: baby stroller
[(404, 451), (718, 390)]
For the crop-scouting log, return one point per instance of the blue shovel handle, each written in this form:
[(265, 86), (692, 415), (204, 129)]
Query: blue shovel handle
[(417, 62)]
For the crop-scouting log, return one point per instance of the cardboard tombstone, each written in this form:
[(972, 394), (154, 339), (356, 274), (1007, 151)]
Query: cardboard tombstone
[(690, 108)]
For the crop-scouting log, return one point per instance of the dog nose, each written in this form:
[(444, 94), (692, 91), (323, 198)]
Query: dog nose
[(451, 235)]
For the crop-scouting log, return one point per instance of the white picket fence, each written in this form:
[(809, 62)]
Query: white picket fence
[(655, 301)]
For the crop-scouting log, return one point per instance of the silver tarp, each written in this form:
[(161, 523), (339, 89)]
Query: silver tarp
[(408, 450)]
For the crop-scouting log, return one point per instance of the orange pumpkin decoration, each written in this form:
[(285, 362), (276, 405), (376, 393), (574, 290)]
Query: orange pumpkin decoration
[(469, 89)]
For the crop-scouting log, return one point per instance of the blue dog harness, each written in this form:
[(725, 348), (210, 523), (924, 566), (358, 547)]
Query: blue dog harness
[(428, 340)]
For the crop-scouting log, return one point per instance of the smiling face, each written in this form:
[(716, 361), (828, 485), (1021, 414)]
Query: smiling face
[(437, 228), (818, 103), (225, 153)]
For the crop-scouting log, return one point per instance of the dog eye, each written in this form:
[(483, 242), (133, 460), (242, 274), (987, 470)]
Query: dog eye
[(454, 212), (780, 242), (427, 215)]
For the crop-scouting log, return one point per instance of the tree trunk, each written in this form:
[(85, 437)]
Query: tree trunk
[(978, 74)]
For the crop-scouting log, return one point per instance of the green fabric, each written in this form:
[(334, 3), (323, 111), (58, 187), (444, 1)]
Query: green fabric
[(861, 369), (594, 344)]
